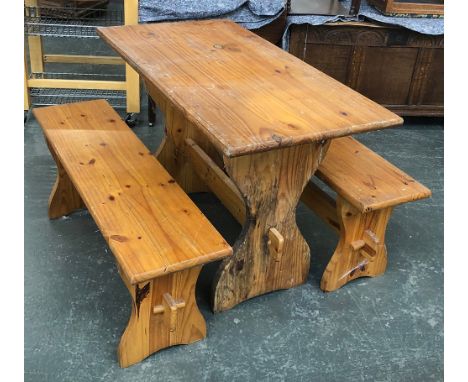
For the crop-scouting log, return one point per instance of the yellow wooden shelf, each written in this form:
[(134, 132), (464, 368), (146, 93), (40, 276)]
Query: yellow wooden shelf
[(41, 22)]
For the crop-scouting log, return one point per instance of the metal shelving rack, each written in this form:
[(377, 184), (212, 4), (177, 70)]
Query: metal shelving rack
[(46, 88)]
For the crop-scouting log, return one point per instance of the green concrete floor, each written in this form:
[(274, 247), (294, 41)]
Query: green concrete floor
[(388, 328)]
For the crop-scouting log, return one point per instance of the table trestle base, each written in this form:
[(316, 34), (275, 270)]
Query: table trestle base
[(271, 253)]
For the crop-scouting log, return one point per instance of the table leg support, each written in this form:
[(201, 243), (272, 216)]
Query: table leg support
[(164, 313), (172, 151), (270, 253)]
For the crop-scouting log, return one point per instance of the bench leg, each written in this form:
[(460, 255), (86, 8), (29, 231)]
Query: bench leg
[(64, 197), (164, 313), (271, 253), (361, 250)]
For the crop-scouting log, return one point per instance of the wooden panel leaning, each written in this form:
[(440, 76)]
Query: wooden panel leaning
[(368, 187), (158, 236)]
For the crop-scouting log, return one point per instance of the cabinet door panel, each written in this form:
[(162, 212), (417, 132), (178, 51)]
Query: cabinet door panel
[(385, 74), (330, 59), (432, 92)]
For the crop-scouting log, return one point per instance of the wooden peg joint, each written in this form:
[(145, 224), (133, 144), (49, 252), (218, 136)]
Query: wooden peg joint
[(169, 302), (158, 309), (170, 305), (368, 246), (275, 244), (356, 245)]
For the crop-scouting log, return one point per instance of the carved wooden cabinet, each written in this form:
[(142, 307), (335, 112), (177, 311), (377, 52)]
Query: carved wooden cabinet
[(398, 68)]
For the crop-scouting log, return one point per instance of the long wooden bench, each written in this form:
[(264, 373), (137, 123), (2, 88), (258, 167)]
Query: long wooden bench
[(158, 236), (367, 188)]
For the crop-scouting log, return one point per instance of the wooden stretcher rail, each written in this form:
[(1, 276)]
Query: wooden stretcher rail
[(216, 180), (322, 204), (76, 84), (82, 59)]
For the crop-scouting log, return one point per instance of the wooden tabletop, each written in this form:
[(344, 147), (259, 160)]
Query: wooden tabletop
[(244, 93)]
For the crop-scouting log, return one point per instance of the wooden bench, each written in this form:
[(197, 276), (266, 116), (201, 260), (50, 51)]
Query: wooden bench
[(158, 236), (367, 188)]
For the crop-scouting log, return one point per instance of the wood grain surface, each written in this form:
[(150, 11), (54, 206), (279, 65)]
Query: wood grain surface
[(365, 179), (245, 94), (151, 225)]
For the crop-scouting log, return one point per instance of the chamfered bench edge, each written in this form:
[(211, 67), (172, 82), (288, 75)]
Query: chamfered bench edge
[(136, 278)]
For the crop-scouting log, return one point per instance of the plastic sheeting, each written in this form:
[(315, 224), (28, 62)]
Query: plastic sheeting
[(251, 14), (254, 14), (429, 26)]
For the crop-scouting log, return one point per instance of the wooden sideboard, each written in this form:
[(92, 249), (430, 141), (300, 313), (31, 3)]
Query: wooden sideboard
[(398, 68)]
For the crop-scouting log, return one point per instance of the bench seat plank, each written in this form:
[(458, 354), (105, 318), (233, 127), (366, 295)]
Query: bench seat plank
[(365, 179), (161, 230)]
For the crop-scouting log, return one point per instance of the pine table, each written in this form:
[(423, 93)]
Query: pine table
[(251, 123)]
